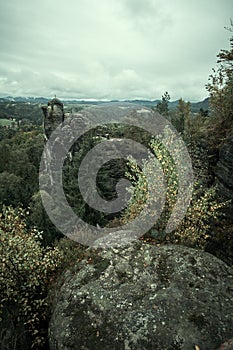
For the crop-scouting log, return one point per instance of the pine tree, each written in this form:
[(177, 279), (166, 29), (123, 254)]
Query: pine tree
[(220, 87), (162, 106), (181, 115)]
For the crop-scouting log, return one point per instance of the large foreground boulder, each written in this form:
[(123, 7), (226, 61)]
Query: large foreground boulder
[(144, 297)]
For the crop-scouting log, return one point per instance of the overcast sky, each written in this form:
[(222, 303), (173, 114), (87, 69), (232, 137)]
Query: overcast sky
[(111, 49)]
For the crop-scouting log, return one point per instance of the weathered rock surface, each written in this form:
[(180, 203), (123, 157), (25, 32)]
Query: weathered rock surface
[(144, 297), (53, 116), (224, 169)]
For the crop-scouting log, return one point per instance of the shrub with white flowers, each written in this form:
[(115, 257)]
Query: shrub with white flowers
[(204, 209), (27, 268)]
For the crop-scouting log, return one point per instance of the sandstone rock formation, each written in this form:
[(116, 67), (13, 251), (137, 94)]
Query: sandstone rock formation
[(53, 116), (224, 169), (144, 297)]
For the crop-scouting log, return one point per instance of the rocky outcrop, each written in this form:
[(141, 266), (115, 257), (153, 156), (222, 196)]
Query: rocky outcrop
[(224, 168), (78, 135), (53, 116), (144, 297)]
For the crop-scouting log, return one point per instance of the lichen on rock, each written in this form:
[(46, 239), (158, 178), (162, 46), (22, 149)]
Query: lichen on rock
[(141, 297)]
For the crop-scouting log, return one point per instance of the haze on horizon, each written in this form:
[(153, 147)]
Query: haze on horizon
[(125, 49)]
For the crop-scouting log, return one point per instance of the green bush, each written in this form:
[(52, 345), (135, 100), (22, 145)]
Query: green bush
[(203, 211), (139, 179), (26, 272)]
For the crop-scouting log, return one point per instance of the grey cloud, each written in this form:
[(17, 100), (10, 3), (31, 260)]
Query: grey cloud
[(139, 8), (109, 49)]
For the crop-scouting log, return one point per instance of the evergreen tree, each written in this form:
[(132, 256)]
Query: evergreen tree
[(162, 106), (181, 115), (220, 87)]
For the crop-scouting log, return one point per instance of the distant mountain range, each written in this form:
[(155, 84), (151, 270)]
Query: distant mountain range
[(195, 106)]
